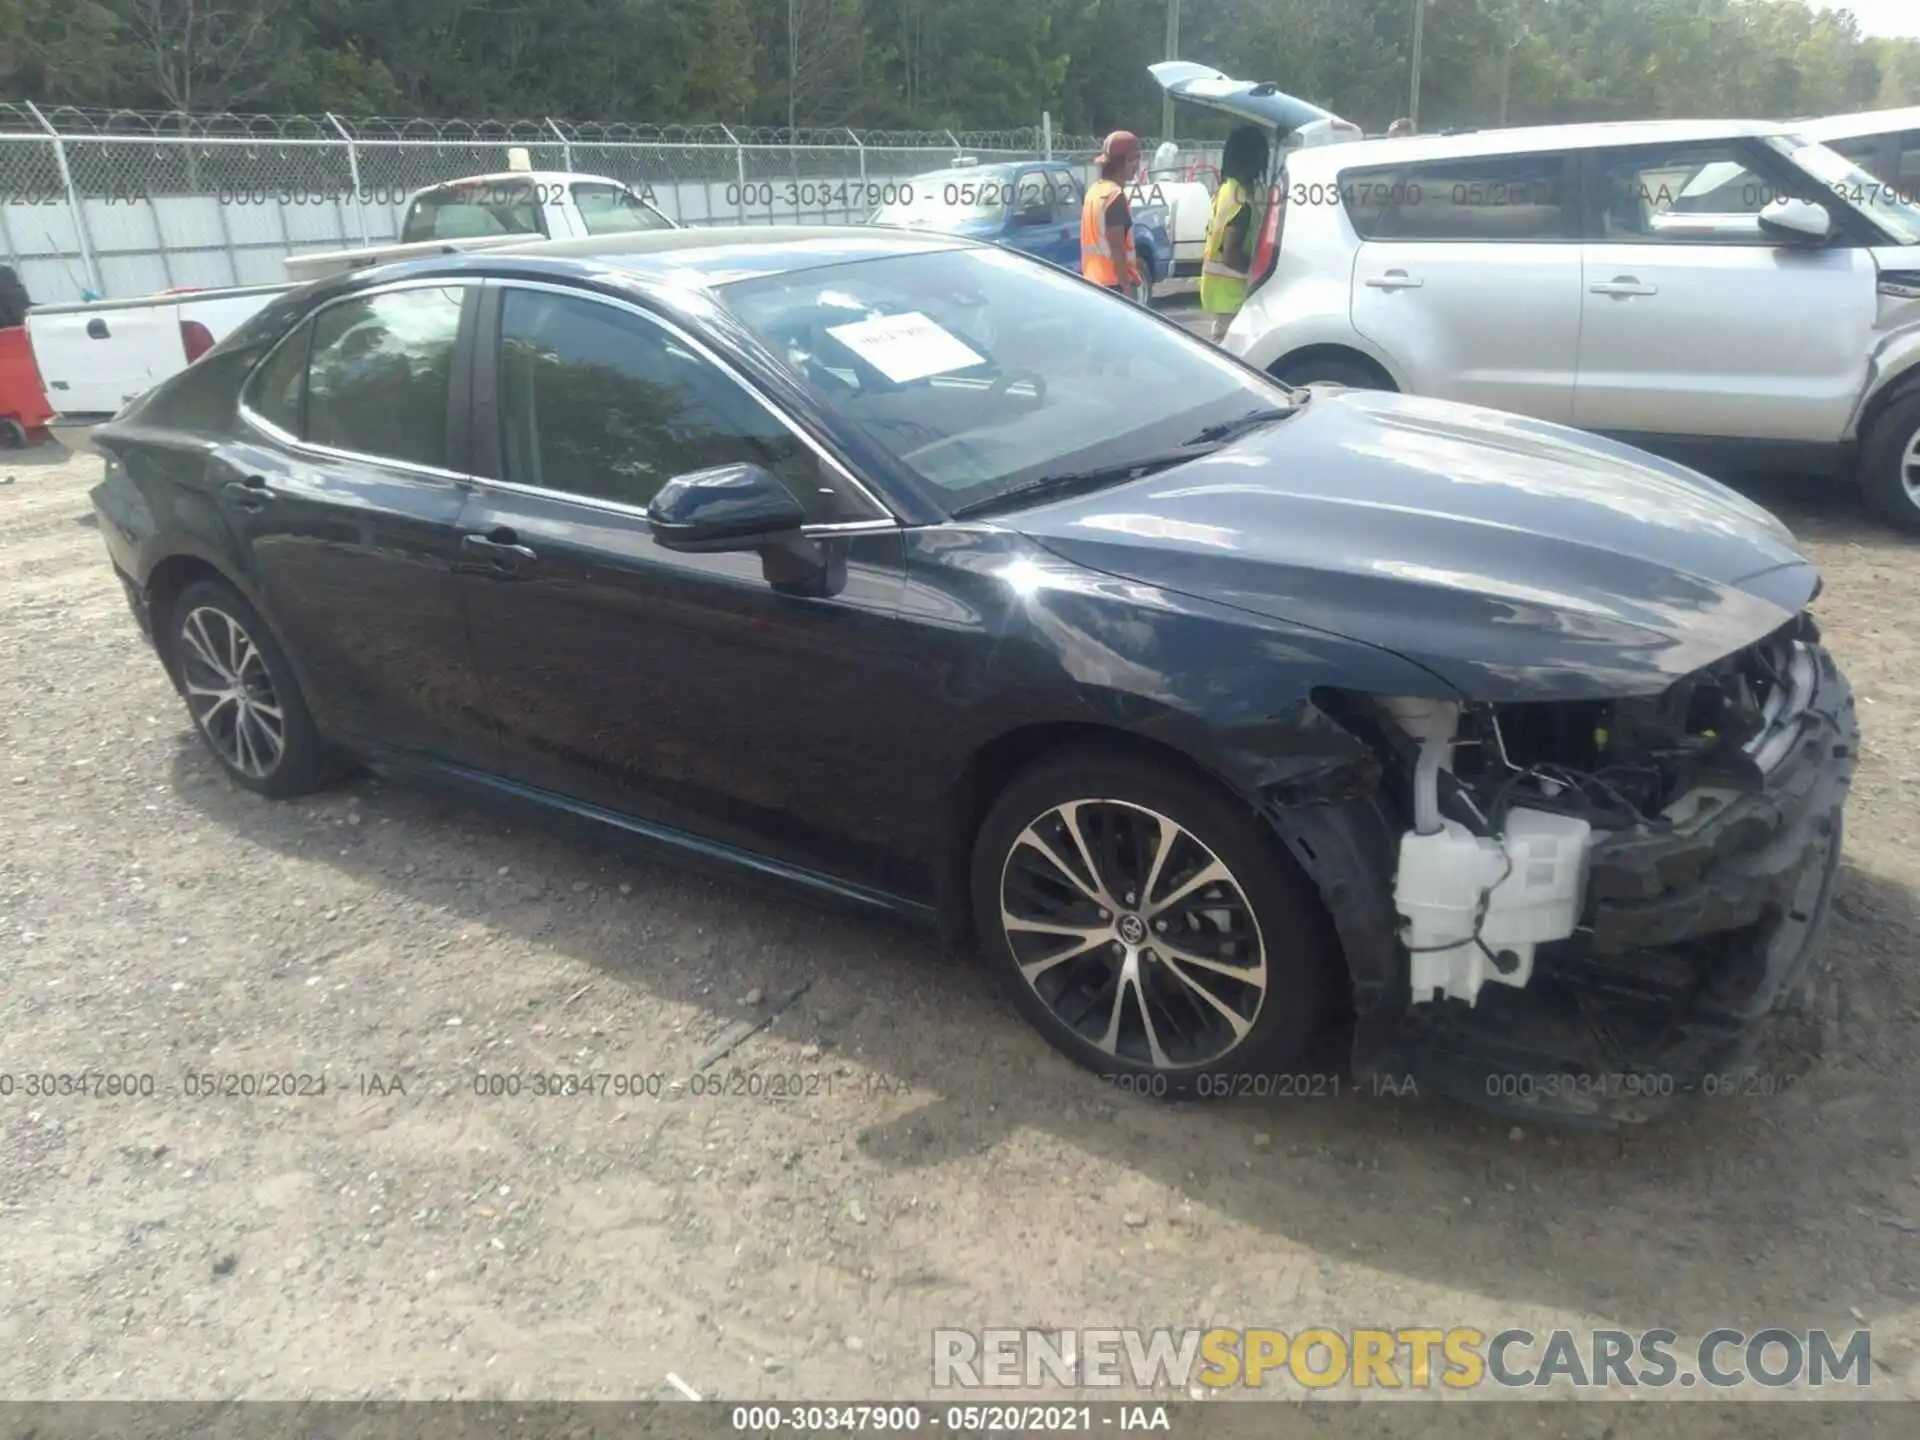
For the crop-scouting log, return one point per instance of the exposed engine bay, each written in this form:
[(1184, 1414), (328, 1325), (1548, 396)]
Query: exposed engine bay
[(1506, 800), (1613, 887)]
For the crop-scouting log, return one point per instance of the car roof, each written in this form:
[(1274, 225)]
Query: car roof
[(961, 172), (701, 257), (532, 177), (1864, 122), (1525, 138)]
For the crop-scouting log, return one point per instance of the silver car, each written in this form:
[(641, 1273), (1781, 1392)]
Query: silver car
[(1729, 292)]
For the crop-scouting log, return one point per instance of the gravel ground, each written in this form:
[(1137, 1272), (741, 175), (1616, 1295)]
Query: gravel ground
[(404, 1236)]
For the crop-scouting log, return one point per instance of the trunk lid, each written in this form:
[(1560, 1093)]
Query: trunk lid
[(1259, 101)]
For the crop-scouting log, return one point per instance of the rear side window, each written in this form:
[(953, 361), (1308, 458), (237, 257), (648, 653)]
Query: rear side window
[(279, 386), (380, 376), (1483, 198)]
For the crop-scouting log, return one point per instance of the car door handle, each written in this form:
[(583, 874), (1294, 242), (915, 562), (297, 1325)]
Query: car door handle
[(1623, 285), (249, 494), (1395, 280), (500, 548)]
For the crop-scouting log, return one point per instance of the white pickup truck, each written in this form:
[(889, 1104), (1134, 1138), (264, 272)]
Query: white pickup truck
[(96, 356)]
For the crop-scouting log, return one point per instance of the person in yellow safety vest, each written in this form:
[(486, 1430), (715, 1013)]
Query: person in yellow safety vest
[(1106, 220), (1227, 262)]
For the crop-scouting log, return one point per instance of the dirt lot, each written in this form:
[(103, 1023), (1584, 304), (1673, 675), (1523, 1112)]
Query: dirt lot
[(947, 1170)]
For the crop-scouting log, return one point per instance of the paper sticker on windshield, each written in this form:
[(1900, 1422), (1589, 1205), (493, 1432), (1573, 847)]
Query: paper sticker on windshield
[(905, 347)]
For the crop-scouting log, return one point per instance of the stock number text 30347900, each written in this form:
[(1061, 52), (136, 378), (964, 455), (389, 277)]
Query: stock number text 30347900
[(820, 194)]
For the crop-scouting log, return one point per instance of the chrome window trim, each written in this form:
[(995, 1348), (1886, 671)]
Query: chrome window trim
[(858, 486), (639, 512), (328, 452)]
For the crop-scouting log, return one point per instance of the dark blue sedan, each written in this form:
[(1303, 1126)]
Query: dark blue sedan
[(1027, 205), (934, 581)]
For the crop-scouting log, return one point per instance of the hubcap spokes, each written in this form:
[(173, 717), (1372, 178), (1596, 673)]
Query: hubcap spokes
[(231, 693), (1910, 469), (1133, 933)]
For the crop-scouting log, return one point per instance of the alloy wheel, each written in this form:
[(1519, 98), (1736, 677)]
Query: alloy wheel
[(230, 692), (1133, 934), (1910, 469)]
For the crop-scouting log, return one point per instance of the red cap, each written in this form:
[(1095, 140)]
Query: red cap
[(1119, 145)]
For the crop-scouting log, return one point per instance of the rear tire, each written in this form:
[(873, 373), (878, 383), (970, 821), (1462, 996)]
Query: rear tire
[(1890, 463), (242, 694), (1187, 981), (1350, 373)]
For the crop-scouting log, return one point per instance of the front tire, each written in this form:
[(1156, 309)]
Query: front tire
[(1350, 373), (1890, 463), (1148, 926), (242, 694)]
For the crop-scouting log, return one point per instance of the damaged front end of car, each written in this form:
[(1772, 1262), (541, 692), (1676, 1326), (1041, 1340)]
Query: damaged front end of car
[(1583, 908)]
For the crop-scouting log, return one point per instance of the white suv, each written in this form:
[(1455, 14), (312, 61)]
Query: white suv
[(1730, 292)]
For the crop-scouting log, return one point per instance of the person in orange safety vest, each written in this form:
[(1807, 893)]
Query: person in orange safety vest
[(1106, 220)]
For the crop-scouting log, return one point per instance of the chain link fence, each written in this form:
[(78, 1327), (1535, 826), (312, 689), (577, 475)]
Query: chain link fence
[(114, 204)]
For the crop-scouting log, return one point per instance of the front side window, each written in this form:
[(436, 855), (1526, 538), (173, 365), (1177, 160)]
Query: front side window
[(381, 374), (615, 210), (599, 403), (1704, 193), (977, 370), (1485, 198)]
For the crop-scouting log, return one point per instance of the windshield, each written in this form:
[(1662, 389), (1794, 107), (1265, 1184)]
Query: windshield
[(614, 210), (939, 201), (1886, 205), (980, 370)]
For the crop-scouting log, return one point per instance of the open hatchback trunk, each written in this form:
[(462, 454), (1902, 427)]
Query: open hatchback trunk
[(1286, 118), (1258, 101)]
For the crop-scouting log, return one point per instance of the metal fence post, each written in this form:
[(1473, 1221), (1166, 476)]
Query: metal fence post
[(74, 208), (353, 173), (566, 145), (956, 144), (740, 174)]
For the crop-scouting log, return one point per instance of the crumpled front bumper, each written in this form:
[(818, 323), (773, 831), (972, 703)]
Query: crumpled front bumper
[(1691, 943)]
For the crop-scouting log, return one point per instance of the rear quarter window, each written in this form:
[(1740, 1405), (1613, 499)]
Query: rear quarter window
[(277, 392)]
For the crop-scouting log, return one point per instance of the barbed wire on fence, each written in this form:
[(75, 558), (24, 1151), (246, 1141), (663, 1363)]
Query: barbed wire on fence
[(98, 202)]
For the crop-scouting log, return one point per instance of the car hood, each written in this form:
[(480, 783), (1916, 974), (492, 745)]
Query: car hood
[(1514, 559), (1248, 100)]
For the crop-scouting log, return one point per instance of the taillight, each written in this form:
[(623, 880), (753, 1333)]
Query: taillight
[(196, 338), (1266, 253)]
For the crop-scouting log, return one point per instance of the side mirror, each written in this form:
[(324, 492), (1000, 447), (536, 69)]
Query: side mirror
[(731, 507), (1037, 214), (1796, 222)]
